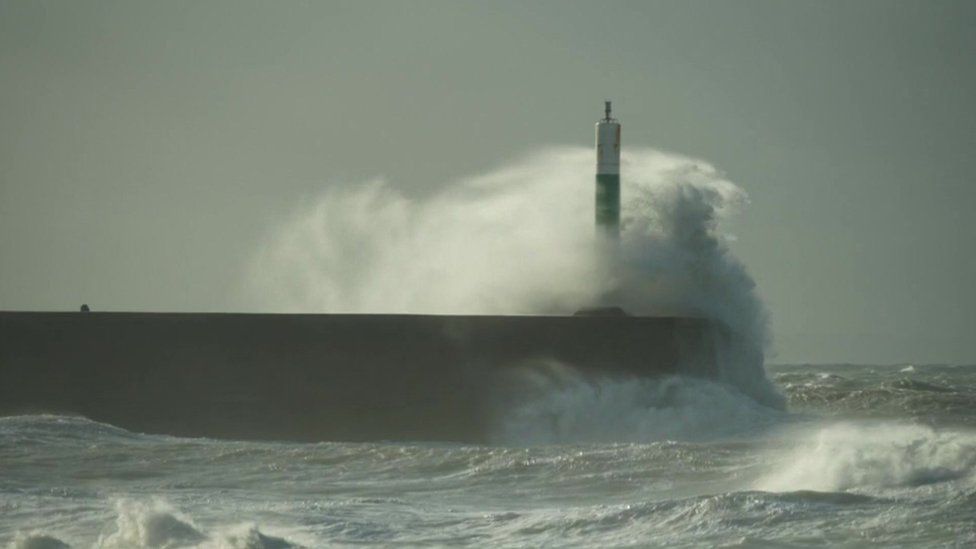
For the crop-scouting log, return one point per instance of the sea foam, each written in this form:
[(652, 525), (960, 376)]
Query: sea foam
[(872, 456), (555, 404)]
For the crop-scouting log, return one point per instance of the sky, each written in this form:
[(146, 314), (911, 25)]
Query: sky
[(147, 147)]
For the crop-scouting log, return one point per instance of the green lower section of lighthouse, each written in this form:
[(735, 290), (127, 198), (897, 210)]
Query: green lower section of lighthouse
[(608, 203)]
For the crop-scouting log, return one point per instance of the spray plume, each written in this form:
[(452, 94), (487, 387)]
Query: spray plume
[(520, 240)]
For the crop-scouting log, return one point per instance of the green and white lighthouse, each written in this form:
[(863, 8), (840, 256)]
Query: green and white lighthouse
[(608, 176)]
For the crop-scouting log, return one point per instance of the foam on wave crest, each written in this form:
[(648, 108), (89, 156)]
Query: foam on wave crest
[(158, 525), (154, 524), (884, 455)]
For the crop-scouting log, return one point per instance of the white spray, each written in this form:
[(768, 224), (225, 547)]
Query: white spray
[(520, 240), (517, 240), (873, 457)]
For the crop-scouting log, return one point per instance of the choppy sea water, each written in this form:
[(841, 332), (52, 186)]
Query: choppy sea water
[(882, 455)]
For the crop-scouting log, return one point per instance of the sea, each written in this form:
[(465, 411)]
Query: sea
[(861, 456)]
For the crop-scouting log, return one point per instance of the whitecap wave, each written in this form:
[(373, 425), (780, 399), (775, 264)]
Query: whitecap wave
[(872, 456), (155, 524), (158, 525)]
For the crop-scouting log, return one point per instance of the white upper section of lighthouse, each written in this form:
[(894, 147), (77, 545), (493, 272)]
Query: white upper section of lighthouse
[(607, 144)]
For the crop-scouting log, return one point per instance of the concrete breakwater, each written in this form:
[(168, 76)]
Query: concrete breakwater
[(313, 377)]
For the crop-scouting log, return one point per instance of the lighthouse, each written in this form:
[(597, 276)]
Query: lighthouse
[(608, 176)]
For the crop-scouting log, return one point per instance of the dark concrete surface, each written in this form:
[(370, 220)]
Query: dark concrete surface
[(319, 377)]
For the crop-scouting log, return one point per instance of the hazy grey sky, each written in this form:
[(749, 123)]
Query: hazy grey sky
[(146, 147)]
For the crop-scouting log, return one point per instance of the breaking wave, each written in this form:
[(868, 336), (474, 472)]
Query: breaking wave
[(871, 456), (158, 525), (520, 240), (554, 404)]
